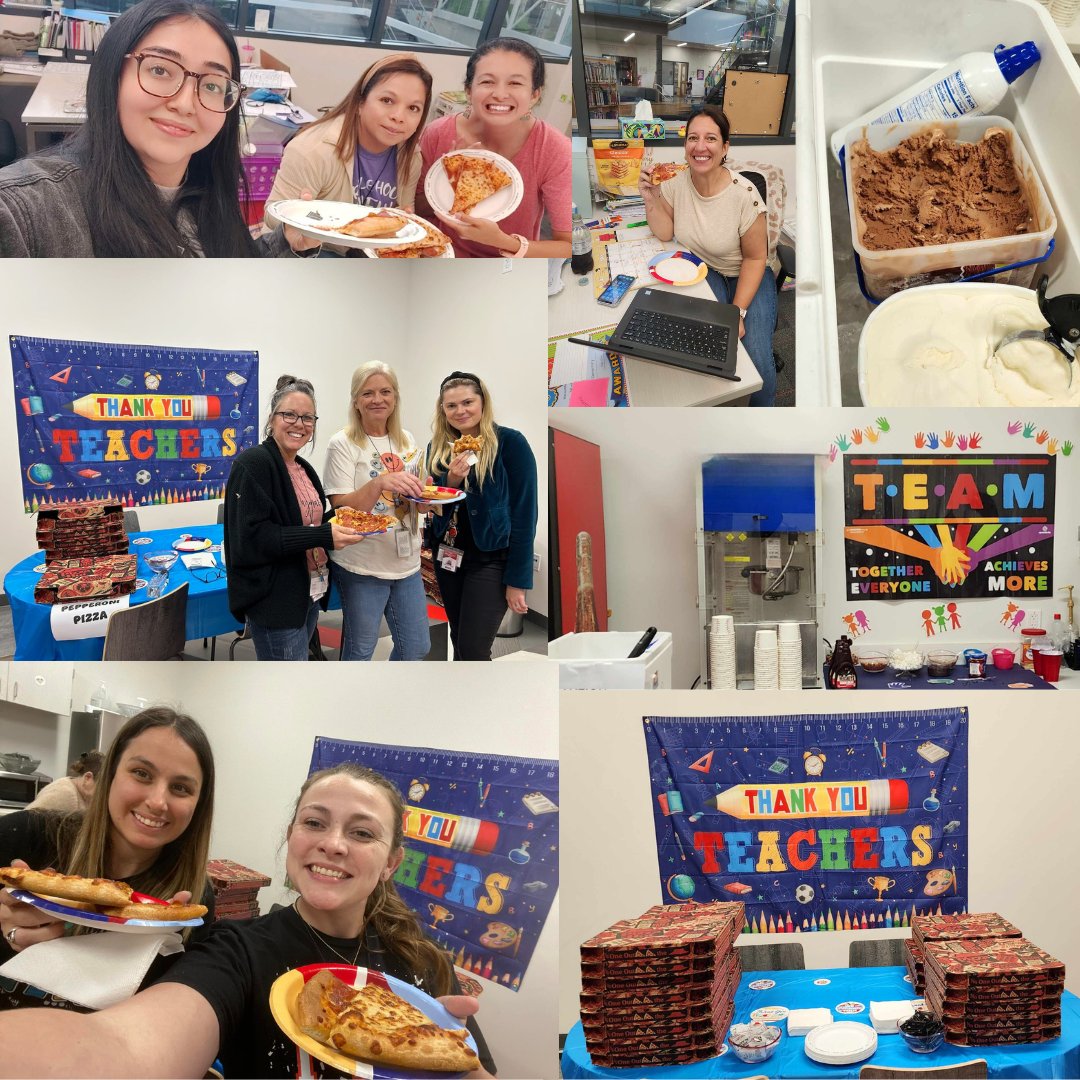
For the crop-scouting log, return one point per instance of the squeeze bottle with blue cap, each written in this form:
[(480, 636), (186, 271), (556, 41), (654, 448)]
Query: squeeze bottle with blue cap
[(971, 86)]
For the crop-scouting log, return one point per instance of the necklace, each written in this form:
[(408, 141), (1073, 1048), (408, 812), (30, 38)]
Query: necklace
[(319, 938)]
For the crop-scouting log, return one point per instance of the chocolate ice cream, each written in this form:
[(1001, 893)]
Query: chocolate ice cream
[(931, 189)]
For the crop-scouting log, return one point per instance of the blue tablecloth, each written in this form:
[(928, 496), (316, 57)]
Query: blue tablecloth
[(995, 679), (207, 606), (797, 990)]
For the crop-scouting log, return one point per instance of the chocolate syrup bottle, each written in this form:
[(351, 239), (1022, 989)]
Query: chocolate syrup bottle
[(842, 673)]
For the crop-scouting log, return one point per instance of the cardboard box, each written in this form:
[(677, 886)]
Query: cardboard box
[(754, 101)]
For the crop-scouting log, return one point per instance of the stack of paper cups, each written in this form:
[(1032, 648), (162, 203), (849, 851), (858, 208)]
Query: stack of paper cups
[(789, 644), (766, 670), (1064, 12), (722, 653)]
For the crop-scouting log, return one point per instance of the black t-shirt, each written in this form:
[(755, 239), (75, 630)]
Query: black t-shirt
[(235, 969), (30, 835)]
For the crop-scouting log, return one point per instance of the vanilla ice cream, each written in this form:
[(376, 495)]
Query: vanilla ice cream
[(935, 346)]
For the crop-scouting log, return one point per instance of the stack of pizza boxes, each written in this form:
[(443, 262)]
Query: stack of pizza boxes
[(926, 928), (235, 888), (988, 984), (659, 989), (85, 553)]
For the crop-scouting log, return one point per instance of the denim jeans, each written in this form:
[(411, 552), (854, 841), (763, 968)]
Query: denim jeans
[(290, 643), (365, 599), (760, 324)]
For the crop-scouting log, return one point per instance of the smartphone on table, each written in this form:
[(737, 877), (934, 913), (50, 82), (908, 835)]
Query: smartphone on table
[(613, 295)]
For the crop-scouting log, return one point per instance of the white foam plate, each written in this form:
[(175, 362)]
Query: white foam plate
[(842, 1043)]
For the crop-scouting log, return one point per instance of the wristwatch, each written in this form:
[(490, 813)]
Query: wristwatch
[(520, 253)]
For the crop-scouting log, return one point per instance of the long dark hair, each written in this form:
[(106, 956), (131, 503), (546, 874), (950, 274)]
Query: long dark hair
[(128, 217)]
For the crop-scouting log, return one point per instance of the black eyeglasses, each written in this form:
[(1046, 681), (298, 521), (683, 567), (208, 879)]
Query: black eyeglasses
[(307, 419), (208, 576), (164, 78)]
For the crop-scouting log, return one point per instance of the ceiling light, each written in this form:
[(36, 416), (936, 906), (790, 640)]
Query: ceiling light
[(682, 45), (628, 37)]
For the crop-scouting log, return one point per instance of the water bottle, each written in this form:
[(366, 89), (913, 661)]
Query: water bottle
[(100, 698), (581, 260)]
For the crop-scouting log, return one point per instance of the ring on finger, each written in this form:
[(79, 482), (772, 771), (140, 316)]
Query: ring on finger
[(11, 935)]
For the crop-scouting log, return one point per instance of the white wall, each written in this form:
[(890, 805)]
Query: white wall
[(317, 318), (1019, 858), (654, 455), (262, 733)]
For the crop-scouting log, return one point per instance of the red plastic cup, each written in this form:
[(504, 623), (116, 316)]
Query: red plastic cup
[(1037, 658), (1051, 664)]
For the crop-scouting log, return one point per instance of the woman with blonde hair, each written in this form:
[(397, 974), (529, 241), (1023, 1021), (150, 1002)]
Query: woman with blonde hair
[(365, 150), (373, 465), (342, 850), (483, 545), (148, 824)]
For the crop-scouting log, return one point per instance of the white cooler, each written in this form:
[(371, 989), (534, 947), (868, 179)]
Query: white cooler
[(599, 661)]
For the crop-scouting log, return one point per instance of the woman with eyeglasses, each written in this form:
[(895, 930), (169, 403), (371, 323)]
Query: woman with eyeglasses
[(277, 532), (483, 545), (373, 465), (155, 169)]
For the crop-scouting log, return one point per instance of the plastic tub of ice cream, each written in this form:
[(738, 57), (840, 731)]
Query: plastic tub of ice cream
[(934, 345), (888, 271)]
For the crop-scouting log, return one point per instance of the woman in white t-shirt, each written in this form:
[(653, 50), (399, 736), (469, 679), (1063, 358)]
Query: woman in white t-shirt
[(371, 464), (720, 216)]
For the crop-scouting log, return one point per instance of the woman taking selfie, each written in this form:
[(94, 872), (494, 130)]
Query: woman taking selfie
[(277, 532), (148, 824), (504, 79), (366, 150), (721, 218), (342, 849), (483, 545), (372, 465)]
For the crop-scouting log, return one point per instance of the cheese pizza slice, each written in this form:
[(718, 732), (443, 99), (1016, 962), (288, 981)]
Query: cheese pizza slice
[(375, 1025), (473, 179)]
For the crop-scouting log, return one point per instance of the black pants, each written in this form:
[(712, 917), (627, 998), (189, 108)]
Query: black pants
[(475, 600)]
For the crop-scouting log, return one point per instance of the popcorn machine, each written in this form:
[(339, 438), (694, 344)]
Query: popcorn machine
[(758, 552)]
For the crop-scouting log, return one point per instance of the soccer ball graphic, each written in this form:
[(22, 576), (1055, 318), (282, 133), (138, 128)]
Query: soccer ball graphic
[(804, 894), (142, 477)]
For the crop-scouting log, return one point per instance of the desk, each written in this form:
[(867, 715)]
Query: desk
[(45, 112), (796, 989), (574, 310), (1016, 677), (207, 606)]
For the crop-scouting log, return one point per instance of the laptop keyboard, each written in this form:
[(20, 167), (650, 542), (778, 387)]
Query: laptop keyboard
[(707, 341)]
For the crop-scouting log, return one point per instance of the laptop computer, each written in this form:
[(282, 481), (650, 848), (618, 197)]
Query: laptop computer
[(685, 331)]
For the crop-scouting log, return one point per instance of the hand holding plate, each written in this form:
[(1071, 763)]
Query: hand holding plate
[(403, 483), (23, 922), (297, 240), (345, 537)]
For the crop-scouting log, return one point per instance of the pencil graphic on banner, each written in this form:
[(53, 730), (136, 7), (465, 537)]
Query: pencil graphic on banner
[(451, 830), (859, 797), (105, 406)]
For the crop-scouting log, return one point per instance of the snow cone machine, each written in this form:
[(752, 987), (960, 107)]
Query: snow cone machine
[(758, 553)]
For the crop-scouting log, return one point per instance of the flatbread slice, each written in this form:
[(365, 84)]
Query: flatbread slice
[(157, 912), (67, 886), (468, 442), (473, 179), (431, 246), (376, 1025), (370, 227)]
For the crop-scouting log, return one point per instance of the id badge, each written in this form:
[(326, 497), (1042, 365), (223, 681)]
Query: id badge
[(318, 586), (450, 557), (403, 539)]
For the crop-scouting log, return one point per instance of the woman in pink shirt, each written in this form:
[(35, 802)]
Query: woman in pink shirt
[(503, 81)]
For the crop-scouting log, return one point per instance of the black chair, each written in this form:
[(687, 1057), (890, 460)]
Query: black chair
[(152, 631), (787, 956), (876, 952), (213, 641)]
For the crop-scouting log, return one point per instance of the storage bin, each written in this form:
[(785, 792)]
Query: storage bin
[(599, 661), (887, 272)]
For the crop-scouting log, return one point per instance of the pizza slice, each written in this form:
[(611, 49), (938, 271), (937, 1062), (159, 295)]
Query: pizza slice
[(433, 244), (473, 179), (362, 521), (67, 886), (157, 912), (666, 170), (375, 226), (375, 1025), (434, 493), (468, 442)]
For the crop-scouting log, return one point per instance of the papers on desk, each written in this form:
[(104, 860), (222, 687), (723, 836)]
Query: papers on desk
[(62, 67), (23, 67), (632, 257), (199, 560), (279, 112), (268, 77), (581, 376), (84, 618)]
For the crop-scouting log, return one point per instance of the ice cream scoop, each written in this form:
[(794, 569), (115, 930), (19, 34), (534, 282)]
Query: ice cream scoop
[(1062, 313)]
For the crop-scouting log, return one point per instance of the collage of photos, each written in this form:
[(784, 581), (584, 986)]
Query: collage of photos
[(252, 870)]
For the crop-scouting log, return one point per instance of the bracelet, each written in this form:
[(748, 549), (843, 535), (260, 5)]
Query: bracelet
[(520, 253)]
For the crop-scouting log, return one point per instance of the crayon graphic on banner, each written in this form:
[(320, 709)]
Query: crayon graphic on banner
[(841, 798), (108, 406)]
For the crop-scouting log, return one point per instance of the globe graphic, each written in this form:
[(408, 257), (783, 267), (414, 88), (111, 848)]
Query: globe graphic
[(40, 473), (681, 887)]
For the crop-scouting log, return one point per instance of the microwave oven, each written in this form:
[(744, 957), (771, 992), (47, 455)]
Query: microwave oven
[(19, 790)]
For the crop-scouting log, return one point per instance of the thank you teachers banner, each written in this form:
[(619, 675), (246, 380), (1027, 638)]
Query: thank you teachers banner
[(929, 526), (816, 822), (139, 424), (481, 864)]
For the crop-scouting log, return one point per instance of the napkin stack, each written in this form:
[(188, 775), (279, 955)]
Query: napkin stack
[(887, 1016), (924, 928), (994, 990), (800, 1021), (235, 889), (660, 989)]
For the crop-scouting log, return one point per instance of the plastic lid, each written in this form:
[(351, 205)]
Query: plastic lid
[(1032, 631), (1015, 61)]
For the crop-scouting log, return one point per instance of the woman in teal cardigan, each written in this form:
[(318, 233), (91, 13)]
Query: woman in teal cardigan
[(482, 545)]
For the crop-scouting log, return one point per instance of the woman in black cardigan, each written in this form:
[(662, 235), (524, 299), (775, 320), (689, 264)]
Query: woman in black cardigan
[(276, 530)]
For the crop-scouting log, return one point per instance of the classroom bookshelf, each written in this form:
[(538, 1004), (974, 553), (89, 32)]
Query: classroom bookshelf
[(601, 87)]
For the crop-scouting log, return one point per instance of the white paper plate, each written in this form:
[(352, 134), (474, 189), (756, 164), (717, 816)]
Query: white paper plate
[(305, 214), (842, 1043), (440, 195)]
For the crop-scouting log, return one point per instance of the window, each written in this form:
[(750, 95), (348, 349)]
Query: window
[(339, 19), (448, 24)]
